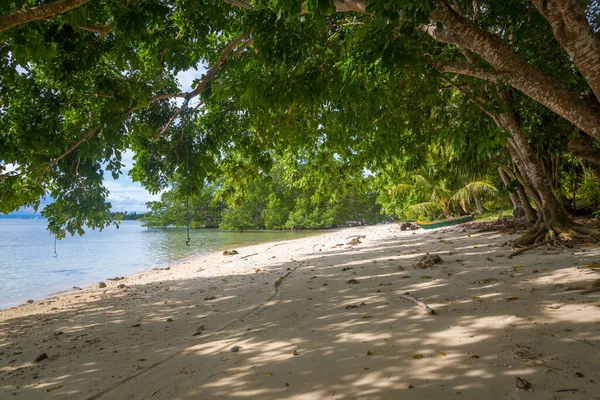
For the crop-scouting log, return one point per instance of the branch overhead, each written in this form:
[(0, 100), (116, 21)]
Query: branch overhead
[(38, 13)]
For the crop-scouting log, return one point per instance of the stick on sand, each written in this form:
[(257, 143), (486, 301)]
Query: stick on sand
[(424, 306)]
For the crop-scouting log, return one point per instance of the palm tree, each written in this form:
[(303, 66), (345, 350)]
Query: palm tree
[(441, 196)]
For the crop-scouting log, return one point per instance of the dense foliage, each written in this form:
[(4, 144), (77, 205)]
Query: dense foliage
[(270, 202), (326, 90)]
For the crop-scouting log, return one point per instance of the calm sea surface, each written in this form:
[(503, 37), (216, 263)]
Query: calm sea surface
[(29, 270)]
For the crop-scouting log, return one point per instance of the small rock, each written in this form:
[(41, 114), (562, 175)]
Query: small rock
[(523, 384), (295, 353), (235, 349), (29, 301), (411, 387), (352, 281), (121, 286), (169, 319), (428, 261), (102, 285), (579, 374), (230, 252), (41, 357)]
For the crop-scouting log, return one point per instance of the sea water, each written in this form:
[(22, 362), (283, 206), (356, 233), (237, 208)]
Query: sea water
[(30, 269)]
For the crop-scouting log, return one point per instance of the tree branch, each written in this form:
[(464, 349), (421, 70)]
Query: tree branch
[(583, 150), (207, 78), (239, 3), (49, 164), (38, 13), (102, 30), (215, 67), (468, 70), (575, 35), (444, 36)]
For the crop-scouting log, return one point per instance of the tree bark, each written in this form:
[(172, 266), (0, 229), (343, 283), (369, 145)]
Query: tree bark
[(518, 210), (581, 112), (530, 213), (553, 221), (480, 209), (574, 33), (42, 12), (518, 72), (585, 151)]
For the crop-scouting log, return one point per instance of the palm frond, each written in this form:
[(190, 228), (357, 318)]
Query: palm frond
[(426, 208), (400, 188), (465, 193)]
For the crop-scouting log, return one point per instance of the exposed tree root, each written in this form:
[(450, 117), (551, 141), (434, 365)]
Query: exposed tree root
[(523, 250), (553, 234)]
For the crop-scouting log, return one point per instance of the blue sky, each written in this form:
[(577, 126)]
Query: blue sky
[(126, 195)]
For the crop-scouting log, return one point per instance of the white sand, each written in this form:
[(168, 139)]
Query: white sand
[(472, 349)]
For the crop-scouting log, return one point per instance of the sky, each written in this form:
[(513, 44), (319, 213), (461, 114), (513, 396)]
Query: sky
[(126, 195)]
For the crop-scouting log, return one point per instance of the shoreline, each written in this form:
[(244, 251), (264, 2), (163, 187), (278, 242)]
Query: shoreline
[(75, 285), (315, 320)]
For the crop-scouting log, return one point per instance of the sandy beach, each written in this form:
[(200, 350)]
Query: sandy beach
[(315, 320)]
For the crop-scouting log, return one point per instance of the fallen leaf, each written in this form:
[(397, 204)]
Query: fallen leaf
[(366, 317), (53, 388), (417, 356), (511, 298), (442, 354), (476, 298), (593, 265), (270, 373), (366, 368), (516, 267), (426, 277)]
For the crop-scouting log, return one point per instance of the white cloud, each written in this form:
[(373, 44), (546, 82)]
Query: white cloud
[(126, 195)]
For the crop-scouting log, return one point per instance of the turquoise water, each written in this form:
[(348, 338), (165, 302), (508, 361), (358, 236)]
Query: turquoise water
[(29, 270)]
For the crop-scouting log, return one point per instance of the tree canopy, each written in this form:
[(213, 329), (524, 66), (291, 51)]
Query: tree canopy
[(340, 87)]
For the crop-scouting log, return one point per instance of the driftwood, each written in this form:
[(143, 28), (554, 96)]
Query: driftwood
[(357, 236), (424, 306), (535, 246), (249, 255)]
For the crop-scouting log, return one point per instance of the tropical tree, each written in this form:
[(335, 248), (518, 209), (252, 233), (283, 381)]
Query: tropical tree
[(83, 80)]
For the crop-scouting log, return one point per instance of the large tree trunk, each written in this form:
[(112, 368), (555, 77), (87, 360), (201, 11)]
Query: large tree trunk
[(553, 221), (516, 71), (530, 213), (521, 206), (575, 34)]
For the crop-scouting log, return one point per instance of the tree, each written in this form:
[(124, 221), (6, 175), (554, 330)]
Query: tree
[(340, 80)]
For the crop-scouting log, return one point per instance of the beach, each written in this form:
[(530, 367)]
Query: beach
[(318, 318)]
